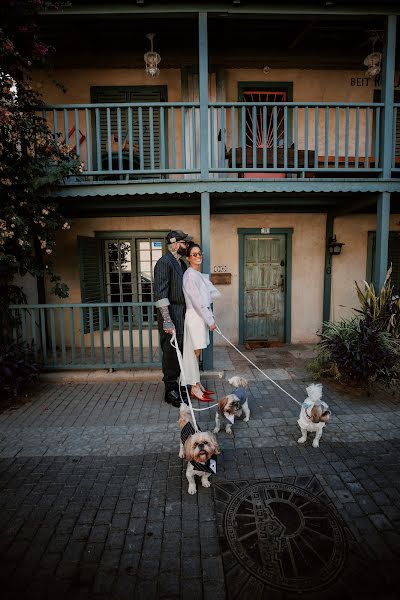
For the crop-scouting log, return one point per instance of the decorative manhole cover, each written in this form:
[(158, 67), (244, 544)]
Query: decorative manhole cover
[(285, 536)]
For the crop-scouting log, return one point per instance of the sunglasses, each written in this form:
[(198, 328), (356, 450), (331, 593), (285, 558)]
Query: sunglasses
[(197, 254)]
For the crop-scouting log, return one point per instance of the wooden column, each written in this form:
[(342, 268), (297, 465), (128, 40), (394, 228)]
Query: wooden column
[(328, 269), (387, 149), (208, 354), (203, 93)]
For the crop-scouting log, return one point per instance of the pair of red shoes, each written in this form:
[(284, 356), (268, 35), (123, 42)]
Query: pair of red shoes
[(202, 394)]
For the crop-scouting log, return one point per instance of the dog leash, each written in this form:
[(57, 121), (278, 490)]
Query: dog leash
[(217, 329), (174, 344)]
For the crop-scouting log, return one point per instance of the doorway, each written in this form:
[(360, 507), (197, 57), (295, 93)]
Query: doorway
[(265, 265)]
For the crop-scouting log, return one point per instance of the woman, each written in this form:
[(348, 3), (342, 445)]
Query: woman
[(199, 293)]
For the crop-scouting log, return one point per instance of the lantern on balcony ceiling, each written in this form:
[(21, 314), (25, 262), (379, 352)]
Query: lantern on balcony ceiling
[(373, 62), (152, 59)]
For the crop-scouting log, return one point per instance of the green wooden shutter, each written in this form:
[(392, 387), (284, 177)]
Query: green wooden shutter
[(91, 275), (393, 258), (111, 95), (397, 132)]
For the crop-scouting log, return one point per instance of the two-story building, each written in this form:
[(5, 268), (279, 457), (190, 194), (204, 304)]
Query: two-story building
[(269, 131)]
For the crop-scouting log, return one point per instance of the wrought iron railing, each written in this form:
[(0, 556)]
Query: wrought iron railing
[(90, 336)]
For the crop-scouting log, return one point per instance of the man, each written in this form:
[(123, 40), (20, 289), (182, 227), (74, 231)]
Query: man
[(170, 301)]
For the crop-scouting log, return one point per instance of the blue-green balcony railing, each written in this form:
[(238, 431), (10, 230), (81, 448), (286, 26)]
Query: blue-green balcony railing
[(122, 141), (103, 335), (297, 139), (138, 141)]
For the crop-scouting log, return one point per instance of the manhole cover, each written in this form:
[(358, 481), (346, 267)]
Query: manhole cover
[(285, 536)]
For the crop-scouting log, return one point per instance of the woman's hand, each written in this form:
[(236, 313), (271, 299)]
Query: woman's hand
[(213, 327)]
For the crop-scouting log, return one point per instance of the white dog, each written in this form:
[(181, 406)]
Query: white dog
[(233, 405), (313, 415), (199, 449)]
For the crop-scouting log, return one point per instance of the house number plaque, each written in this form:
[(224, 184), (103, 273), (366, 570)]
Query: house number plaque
[(220, 275)]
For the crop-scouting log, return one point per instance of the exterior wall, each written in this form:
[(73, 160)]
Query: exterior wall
[(307, 261), (351, 264)]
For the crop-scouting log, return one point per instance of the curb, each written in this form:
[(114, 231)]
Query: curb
[(110, 376)]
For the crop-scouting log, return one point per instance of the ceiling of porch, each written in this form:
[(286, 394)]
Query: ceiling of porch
[(235, 41)]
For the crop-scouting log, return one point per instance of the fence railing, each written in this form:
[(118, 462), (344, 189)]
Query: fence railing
[(296, 137), (90, 336), (130, 140), (136, 141)]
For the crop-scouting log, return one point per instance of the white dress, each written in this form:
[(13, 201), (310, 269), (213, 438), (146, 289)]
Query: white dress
[(199, 293)]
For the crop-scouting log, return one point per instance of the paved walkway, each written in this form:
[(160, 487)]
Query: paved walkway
[(94, 502)]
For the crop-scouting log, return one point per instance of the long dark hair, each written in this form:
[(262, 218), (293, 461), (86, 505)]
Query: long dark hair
[(191, 246)]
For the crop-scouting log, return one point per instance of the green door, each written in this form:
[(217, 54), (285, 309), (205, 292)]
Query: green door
[(264, 287)]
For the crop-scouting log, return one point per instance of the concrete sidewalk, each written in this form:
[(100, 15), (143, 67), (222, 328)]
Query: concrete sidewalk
[(94, 501)]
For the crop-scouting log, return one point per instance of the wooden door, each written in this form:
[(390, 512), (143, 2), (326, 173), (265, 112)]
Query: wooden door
[(264, 293)]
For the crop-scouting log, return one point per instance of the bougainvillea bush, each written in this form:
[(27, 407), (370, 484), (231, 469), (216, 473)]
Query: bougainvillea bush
[(33, 162)]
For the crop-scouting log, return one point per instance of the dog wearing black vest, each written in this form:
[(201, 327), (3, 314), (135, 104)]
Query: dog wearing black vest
[(200, 449)]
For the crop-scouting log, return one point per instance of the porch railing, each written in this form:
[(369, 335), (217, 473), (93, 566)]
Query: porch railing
[(130, 140), (298, 138), (137, 141), (90, 336)]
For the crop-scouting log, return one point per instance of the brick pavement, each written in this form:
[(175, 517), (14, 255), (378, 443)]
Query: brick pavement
[(94, 503)]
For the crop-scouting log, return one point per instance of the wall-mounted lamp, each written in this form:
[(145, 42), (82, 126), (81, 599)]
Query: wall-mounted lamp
[(334, 246), (152, 59)]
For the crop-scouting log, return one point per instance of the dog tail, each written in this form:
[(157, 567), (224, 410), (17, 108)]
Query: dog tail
[(314, 391), (238, 382)]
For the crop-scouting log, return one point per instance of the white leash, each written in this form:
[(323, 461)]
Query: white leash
[(174, 344), (217, 329)]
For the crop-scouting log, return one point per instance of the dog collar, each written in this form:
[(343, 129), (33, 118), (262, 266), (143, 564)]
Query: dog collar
[(208, 467)]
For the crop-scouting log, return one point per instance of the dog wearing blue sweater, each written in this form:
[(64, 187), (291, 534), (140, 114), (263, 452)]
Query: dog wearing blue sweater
[(233, 405)]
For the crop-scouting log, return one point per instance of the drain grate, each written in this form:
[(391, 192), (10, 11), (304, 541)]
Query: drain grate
[(280, 535)]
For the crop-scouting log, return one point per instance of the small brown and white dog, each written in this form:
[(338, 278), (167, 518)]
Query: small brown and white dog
[(199, 449), (313, 415), (233, 405)]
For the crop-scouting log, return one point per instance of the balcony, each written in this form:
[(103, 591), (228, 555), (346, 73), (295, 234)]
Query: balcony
[(161, 141)]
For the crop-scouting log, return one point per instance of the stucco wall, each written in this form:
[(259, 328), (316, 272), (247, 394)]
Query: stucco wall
[(307, 260), (351, 265)]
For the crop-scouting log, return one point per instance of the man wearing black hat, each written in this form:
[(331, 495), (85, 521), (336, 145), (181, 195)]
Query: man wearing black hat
[(170, 301)]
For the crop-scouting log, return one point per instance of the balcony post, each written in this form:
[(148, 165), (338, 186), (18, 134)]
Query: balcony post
[(326, 312), (388, 75), (382, 239), (208, 358), (387, 149), (203, 94)]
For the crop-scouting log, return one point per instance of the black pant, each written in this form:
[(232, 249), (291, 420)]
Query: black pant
[(170, 364)]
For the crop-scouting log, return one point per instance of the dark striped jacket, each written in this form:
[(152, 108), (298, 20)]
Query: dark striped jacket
[(168, 275)]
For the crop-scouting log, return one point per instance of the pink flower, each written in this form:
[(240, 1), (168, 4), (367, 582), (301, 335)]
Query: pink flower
[(40, 49)]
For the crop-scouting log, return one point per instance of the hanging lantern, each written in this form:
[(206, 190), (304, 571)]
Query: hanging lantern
[(373, 62), (152, 59)]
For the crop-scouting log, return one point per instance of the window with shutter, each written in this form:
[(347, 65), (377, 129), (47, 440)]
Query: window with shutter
[(393, 258), (118, 267), (91, 273), (145, 122)]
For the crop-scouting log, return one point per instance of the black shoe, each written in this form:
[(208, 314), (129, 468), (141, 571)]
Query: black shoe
[(172, 397), (184, 394)]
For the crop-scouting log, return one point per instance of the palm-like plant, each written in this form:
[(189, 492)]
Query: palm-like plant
[(383, 309)]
